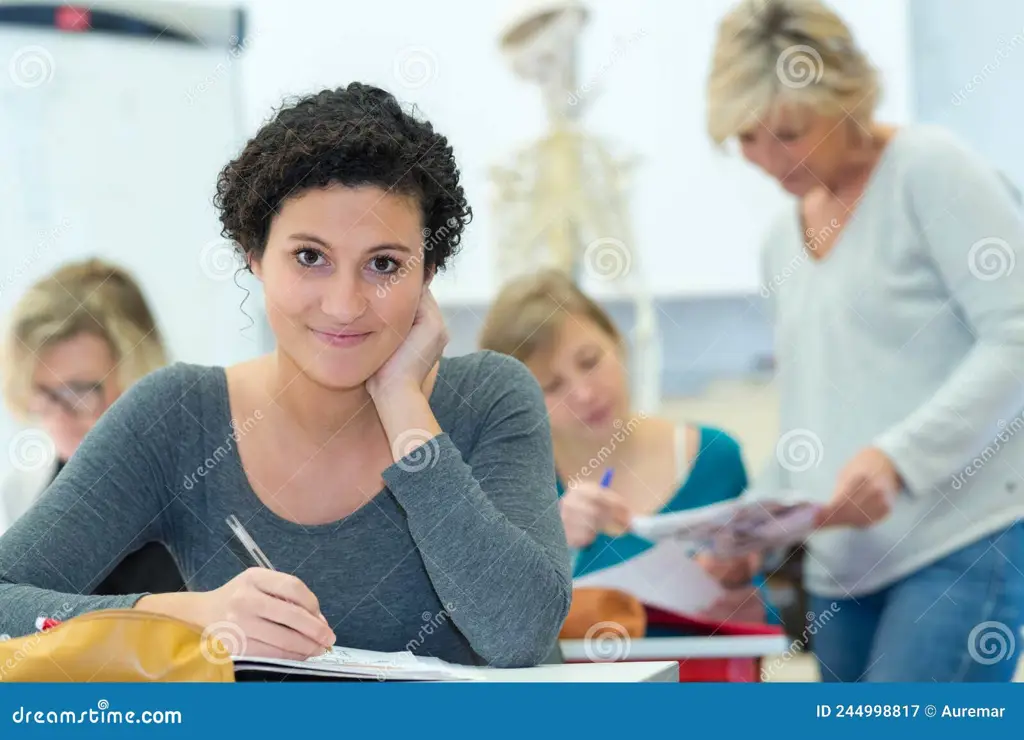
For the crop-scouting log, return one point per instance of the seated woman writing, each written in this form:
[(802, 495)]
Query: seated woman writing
[(577, 354), (383, 482)]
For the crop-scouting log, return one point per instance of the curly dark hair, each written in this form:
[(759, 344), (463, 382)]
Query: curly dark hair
[(353, 136)]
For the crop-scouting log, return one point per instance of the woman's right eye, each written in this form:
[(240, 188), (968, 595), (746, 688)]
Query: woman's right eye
[(308, 257)]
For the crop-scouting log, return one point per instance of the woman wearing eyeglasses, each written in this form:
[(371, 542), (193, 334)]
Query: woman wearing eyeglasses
[(76, 341)]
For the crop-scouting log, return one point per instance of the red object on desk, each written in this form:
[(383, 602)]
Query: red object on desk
[(46, 623), (712, 670)]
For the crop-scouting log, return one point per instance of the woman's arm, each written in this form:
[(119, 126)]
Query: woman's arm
[(975, 237), (487, 525), (106, 502)]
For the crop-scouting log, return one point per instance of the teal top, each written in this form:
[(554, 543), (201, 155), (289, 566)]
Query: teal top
[(717, 475)]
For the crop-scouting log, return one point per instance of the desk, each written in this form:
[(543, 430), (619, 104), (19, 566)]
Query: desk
[(654, 671), (683, 648)]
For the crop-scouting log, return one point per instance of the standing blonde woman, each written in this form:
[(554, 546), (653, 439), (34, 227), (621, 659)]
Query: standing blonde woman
[(76, 341), (899, 333)]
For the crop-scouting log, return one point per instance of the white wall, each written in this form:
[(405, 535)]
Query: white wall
[(698, 214)]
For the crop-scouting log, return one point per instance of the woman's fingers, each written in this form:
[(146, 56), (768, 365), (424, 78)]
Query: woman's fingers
[(286, 587), (284, 638), (295, 618)]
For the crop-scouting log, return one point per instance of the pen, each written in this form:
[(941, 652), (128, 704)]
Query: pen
[(606, 479), (249, 543), (46, 623)]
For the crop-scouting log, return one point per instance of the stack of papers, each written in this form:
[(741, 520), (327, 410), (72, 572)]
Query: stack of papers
[(343, 662), (664, 577), (736, 527)]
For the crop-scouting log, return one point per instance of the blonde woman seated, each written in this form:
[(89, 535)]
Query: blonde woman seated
[(577, 354), (386, 484), (77, 340)]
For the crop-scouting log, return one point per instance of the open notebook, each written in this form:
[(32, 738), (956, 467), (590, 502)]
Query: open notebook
[(343, 662)]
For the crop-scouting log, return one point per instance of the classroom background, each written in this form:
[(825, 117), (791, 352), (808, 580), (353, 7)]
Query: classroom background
[(86, 118)]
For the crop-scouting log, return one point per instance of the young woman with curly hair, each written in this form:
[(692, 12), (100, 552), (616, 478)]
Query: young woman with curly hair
[(384, 482)]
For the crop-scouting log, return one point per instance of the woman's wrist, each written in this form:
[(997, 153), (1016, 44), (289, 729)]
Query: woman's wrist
[(183, 605)]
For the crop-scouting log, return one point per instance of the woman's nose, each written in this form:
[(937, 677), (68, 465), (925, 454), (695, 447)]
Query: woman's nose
[(343, 299)]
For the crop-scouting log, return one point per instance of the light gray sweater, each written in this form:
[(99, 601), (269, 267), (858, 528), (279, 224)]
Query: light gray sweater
[(462, 556), (909, 336)]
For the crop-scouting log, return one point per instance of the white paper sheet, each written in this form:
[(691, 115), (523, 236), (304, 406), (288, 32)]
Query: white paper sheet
[(665, 577), (736, 527), (354, 663)]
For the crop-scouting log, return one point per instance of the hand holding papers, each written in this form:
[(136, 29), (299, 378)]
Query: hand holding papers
[(738, 527)]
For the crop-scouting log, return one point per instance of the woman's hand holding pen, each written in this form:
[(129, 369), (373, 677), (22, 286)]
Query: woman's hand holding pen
[(277, 614), (589, 508)]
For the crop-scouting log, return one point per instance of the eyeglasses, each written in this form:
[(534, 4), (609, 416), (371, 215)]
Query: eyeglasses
[(76, 398)]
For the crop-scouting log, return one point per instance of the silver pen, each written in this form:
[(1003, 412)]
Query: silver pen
[(249, 543)]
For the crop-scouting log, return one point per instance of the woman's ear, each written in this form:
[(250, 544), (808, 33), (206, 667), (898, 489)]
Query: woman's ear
[(254, 265)]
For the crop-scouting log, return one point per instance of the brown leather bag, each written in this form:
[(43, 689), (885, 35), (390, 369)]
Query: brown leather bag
[(116, 645), (594, 609)]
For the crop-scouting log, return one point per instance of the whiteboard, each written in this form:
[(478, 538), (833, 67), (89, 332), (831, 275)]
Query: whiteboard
[(111, 147)]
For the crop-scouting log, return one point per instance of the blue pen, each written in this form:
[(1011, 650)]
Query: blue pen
[(606, 479)]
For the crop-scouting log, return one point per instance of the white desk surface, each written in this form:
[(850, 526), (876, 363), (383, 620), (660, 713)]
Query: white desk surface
[(659, 671), (681, 648)]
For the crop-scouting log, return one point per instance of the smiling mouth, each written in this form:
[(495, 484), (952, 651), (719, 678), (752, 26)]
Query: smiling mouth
[(347, 339)]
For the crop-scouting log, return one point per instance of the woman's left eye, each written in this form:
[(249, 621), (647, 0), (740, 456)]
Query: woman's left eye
[(384, 265)]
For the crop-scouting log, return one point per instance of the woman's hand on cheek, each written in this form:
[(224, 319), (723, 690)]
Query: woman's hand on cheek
[(416, 356)]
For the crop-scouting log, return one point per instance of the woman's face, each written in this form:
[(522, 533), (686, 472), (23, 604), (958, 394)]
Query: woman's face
[(343, 273), (583, 379), (73, 384), (800, 149)]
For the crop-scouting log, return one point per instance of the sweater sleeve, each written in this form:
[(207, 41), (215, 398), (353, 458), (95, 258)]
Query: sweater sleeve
[(486, 520), (105, 503), (973, 234)]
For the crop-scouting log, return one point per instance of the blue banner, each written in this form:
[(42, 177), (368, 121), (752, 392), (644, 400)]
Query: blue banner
[(483, 711)]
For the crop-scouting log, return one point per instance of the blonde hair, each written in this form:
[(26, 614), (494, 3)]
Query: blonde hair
[(90, 297), (788, 52), (528, 312)]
